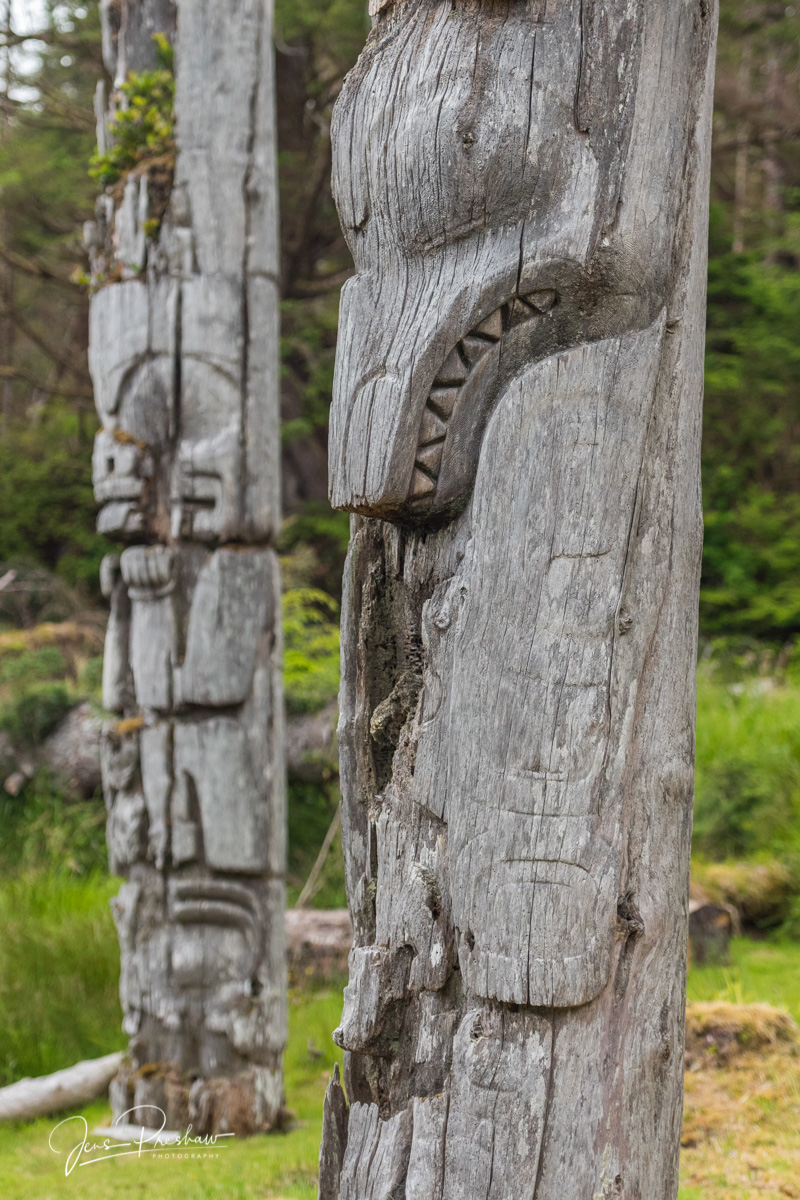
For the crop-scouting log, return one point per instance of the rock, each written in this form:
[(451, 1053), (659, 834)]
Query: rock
[(72, 751), (318, 941), (710, 930), (311, 752)]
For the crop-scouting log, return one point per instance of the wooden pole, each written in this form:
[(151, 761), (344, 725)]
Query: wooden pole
[(516, 425), (184, 359)]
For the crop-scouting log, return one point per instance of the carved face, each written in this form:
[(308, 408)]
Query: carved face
[(198, 976), (480, 213), (207, 477), (132, 375)]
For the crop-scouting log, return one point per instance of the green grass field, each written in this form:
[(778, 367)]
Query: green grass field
[(58, 1003), (276, 1165)]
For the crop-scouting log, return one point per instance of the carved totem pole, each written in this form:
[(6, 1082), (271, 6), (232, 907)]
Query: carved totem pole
[(516, 425), (184, 358)]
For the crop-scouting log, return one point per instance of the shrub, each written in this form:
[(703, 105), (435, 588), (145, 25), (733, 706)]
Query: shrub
[(311, 649), (34, 713)]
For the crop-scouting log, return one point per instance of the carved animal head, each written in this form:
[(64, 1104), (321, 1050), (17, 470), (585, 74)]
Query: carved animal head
[(478, 172)]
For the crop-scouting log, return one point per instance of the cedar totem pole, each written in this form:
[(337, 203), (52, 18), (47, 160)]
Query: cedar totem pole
[(516, 427), (184, 360)]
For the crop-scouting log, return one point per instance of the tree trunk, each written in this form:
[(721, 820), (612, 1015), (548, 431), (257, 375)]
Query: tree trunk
[(184, 358), (516, 424)]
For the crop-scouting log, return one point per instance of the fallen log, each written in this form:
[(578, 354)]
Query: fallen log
[(69, 1088)]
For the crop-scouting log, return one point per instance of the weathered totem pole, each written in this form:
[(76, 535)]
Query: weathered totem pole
[(184, 361), (516, 425)]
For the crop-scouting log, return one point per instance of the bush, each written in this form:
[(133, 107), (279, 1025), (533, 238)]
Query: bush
[(762, 892), (35, 712), (747, 790), (144, 129), (310, 649)]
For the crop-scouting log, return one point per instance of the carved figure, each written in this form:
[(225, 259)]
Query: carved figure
[(184, 361), (516, 424)]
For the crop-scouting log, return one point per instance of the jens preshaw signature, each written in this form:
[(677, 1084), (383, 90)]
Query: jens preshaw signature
[(84, 1152)]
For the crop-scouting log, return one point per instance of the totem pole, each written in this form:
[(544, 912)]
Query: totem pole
[(184, 358), (516, 425)]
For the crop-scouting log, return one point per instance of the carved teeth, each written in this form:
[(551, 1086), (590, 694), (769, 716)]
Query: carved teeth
[(432, 429), (474, 348), (542, 301), (442, 401), (430, 457), (421, 485), (453, 370), (519, 313), (492, 326)]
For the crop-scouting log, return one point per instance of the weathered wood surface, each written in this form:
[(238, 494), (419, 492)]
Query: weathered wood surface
[(74, 1086), (516, 424), (184, 359)]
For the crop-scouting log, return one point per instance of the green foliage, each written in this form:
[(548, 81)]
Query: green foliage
[(338, 27), (35, 712), (90, 676), (314, 544), (310, 649), (44, 662), (143, 127), (747, 790), (44, 828), (46, 501), (59, 968), (311, 810)]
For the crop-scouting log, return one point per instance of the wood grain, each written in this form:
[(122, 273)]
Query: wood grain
[(516, 425)]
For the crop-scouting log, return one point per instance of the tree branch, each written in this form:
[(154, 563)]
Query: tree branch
[(50, 389), (54, 355)]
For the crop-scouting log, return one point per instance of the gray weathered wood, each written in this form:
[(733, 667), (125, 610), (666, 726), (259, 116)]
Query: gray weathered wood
[(74, 1086), (184, 359), (516, 425)]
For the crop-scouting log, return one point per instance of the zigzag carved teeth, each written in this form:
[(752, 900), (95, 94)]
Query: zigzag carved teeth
[(432, 429), (518, 313), (491, 327), (430, 457), (453, 370), (442, 400), (421, 485), (541, 301), (474, 348)]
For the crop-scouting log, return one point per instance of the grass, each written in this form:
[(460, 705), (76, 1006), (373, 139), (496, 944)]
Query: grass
[(58, 1003), (277, 1165), (758, 971), (747, 783), (59, 966)]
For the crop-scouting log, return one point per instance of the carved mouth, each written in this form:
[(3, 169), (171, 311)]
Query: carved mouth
[(452, 382), (213, 902)]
